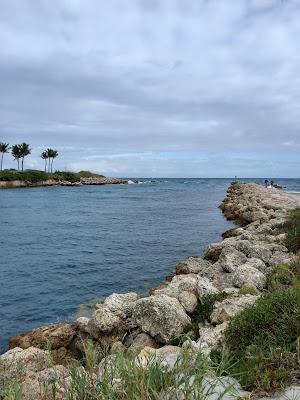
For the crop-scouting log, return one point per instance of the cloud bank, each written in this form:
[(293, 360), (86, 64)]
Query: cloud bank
[(154, 88)]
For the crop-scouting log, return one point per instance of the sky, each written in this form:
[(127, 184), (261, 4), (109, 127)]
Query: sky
[(153, 88)]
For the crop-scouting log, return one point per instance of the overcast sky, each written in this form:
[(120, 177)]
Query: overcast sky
[(175, 88)]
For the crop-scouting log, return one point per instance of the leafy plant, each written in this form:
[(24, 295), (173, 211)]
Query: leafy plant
[(263, 340), (292, 228)]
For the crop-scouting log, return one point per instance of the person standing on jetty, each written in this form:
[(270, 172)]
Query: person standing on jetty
[(266, 182)]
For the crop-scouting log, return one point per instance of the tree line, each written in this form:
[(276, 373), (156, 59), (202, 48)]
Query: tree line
[(20, 151)]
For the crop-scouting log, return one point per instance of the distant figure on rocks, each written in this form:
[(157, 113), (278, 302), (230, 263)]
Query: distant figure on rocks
[(266, 182), (272, 183)]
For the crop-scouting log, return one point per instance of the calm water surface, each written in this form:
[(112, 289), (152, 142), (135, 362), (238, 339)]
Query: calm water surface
[(62, 248)]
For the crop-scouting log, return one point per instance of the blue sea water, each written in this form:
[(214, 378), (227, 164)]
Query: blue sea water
[(63, 248)]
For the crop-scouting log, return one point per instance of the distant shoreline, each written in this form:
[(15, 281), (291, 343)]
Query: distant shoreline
[(49, 183), (12, 179)]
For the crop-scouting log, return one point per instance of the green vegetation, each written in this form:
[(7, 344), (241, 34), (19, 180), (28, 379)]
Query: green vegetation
[(65, 176), (88, 174), (124, 378), (33, 176), (262, 340), (284, 276), (292, 227)]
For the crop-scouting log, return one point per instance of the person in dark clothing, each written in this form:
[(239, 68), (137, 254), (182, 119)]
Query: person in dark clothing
[(271, 183), (266, 182)]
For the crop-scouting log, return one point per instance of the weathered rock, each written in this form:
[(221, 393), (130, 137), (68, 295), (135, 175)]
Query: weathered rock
[(166, 355), (230, 259), (258, 264), (213, 251), (192, 265), (246, 274), (107, 326), (161, 316), (18, 361), (141, 341), (223, 311), (279, 257), (205, 287), (123, 303), (52, 336), (260, 251), (41, 384), (210, 336), (178, 284), (188, 300)]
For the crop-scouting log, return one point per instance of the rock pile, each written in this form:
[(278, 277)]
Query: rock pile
[(236, 266)]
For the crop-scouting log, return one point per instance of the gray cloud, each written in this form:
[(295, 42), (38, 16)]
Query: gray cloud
[(100, 79)]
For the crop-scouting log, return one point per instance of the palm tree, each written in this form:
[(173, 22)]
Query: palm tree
[(16, 153), (51, 155), (54, 155), (4, 148), (45, 157), (25, 151)]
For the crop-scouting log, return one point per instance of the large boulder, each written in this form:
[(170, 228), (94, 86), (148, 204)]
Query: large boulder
[(188, 300), (141, 341), (19, 362), (178, 284), (51, 336), (192, 265), (167, 356), (210, 336), (205, 287), (107, 326), (160, 316), (41, 384), (248, 275), (230, 259), (123, 302), (224, 310)]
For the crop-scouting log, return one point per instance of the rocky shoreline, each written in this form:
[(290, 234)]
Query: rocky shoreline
[(146, 327), (52, 182)]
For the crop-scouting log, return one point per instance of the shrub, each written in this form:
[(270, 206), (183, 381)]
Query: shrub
[(65, 176), (32, 176), (263, 340), (284, 276), (292, 227), (88, 174)]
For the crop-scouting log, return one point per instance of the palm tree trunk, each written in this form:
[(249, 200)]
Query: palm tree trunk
[(22, 164), (18, 164), (52, 165), (2, 160), (45, 164)]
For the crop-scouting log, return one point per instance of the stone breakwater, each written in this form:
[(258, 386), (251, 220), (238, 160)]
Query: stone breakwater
[(147, 326), (52, 182)]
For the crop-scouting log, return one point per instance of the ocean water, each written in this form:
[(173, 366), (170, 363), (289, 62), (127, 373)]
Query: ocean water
[(62, 249)]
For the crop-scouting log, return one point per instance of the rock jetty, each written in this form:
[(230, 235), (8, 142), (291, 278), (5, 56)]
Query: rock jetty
[(147, 326)]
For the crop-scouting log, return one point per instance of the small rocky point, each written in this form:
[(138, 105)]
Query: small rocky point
[(146, 326)]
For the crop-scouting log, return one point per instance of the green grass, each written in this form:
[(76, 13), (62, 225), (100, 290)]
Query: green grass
[(292, 229), (130, 380), (263, 341)]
